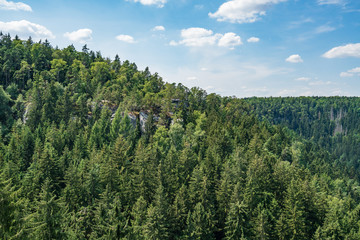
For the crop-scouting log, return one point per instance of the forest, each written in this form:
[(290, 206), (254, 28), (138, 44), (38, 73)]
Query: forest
[(94, 148)]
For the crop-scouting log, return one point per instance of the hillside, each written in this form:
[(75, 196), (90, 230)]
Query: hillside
[(331, 122), (93, 148)]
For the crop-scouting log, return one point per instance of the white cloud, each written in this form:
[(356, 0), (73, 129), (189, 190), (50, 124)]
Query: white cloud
[(355, 70), (200, 37), (325, 2), (324, 29), (304, 79), (316, 31), (159, 28), (298, 23), (125, 38), (319, 83), (81, 35), (346, 74), (294, 59), (24, 29), (351, 72), (173, 43), (204, 69), (241, 73), (349, 50), (243, 11), (253, 40), (5, 5), (158, 3), (230, 40)]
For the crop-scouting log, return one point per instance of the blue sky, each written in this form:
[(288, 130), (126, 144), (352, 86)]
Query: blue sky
[(238, 47)]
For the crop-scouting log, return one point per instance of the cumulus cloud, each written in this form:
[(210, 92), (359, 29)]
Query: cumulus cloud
[(230, 40), (243, 11), (296, 58), (173, 43), (351, 72), (159, 28), (253, 40), (304, 79), (17, 6), (81, 35), (349, 50), (200, 37), (158, 3), (355, 70), (24, 29), (125, 38), (346, 74)]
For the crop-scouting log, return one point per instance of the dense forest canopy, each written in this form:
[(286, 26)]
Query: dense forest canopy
[(93, 148), (332, 122)]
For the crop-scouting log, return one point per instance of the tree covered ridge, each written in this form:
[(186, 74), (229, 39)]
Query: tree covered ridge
[(332, 122), (74, 166)]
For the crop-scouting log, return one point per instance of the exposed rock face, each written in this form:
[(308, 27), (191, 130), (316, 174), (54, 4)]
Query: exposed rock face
[(132, 117), (143, 116), (27, 109), (339, 116)]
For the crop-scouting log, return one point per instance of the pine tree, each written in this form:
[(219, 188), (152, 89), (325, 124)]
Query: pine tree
[(236, 221), (7, 209), (293, 215), (138, 214), (45, 222), (110, 222), (158, 218), (262, 224), (179, 210), (144, 173), (200, 224)]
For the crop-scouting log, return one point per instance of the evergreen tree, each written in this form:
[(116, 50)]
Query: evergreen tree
[(157, 218), (200, 224), (138, 218), (45, 222)]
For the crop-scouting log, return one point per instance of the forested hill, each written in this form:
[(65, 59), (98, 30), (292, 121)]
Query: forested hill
[(93, 148), (332, 122)]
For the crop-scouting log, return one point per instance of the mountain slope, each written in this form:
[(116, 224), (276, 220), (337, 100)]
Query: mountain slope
[(95, 149), (331, 122)]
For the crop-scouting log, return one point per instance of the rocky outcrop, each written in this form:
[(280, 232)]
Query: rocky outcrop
[(339, 129), (26, 112), (141, 116)]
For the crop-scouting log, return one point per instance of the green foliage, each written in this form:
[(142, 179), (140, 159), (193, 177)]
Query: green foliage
[(200, 224), (92, 148), (5, 110)]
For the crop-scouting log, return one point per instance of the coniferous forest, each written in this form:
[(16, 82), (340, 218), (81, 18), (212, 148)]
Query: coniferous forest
[(93, 148)]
